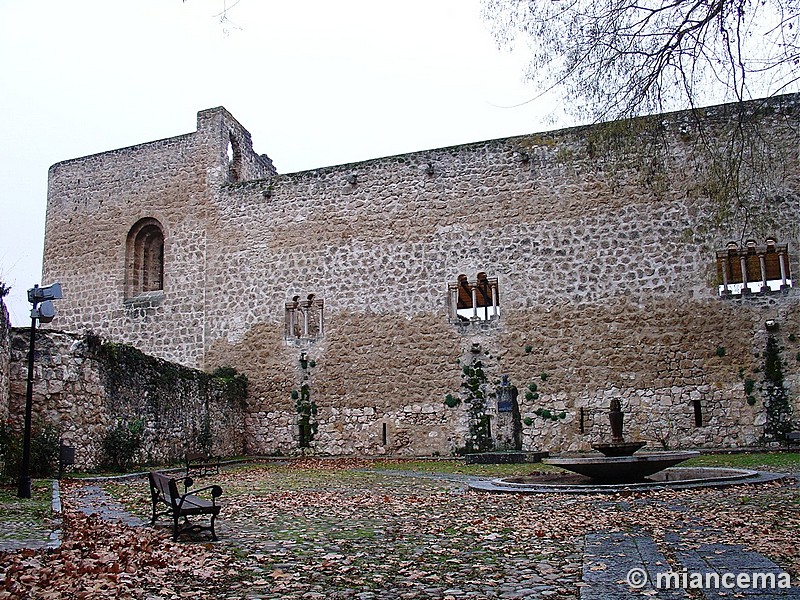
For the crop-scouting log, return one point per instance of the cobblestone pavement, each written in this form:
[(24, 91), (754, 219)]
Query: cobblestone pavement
[(388, 535), (20, 533)]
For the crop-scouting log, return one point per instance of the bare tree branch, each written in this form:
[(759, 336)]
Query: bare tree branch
[(622, 58)]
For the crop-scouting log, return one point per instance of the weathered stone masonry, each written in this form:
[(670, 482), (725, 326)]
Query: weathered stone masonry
[(606, 283), (85, 388), (5, 359)]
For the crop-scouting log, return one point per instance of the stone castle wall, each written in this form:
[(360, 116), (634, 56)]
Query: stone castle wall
[(606, 272)]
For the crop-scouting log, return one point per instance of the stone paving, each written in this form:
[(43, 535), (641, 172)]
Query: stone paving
[(95, 500), (611, 558), (18, 534), (320, 542)]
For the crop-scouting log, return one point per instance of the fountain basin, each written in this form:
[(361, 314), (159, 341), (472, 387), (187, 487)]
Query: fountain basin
[(670, 478), (621, 469), (618, 448)]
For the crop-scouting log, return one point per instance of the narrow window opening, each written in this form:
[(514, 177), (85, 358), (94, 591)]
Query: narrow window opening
[(234, 156), (698, 413), (305, 433), (385, 435)]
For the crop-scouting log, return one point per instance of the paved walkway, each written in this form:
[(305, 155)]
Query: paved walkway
[(614, 561), (94, 500)]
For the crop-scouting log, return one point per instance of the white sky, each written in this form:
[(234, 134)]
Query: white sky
[(316, 82)]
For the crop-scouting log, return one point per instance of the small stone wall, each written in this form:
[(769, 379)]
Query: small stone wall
[(85, 387), (5, 358)]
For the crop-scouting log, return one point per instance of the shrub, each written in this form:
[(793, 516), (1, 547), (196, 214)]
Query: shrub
[(451, 401), (122, 443), (44, 452), (10, 452)]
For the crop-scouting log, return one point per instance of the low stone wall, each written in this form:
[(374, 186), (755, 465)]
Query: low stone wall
[(5, 357), (85, 388)]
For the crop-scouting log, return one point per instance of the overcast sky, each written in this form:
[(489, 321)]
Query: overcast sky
[(316, 82)]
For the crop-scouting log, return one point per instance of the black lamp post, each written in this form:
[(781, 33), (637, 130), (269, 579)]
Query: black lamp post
[(42, 311)]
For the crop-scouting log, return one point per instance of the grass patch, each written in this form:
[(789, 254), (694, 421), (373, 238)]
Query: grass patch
[(458, 467), (766, 461), (134, 495)]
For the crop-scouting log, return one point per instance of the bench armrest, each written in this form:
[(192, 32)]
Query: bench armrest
[(216, 492)]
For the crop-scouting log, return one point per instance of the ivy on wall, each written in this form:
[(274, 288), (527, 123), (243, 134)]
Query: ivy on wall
[(165, 396), (473, 394), (532, 395), (304, 404), (774, 394)]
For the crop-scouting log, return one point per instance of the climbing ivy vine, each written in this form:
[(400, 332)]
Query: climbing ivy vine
[(304, 404), (473, 394), (774, 394)]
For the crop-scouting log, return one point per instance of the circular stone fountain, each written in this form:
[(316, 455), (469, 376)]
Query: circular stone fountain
[(620, 469), (671, 478), (617, 468)]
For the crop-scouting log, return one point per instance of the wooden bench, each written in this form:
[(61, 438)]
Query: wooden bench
[(166, 497), (199, 464)]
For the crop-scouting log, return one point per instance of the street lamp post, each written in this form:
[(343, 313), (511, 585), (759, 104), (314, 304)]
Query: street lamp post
[(42, 311)]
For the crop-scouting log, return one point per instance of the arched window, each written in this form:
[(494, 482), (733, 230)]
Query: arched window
[(304, 318), (144, 258)]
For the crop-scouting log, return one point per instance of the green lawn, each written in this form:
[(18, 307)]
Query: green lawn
[(458, 467), (766, 461), (775, 461)]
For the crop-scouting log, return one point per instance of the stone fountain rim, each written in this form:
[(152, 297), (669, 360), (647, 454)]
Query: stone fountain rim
[(585, 459), (718, 477)]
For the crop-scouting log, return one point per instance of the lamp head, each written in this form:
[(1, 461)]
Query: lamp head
[(45, 312), (49, 292)]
